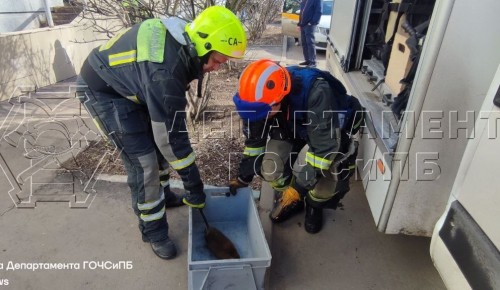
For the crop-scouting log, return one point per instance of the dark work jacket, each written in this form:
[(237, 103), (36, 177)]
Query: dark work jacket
[(305, 118), (310, 12), (159, 86)]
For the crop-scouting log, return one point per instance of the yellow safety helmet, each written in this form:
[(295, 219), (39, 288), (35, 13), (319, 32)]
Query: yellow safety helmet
[(218, 29)]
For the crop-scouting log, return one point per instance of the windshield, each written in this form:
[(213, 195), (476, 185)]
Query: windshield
[(291, 6), (327, 8)]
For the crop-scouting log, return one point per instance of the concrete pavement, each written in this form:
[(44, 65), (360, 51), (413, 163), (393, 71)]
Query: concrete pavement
[(347, 254)]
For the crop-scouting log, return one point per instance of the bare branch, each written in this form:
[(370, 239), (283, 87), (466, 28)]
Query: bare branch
[(110, 16)]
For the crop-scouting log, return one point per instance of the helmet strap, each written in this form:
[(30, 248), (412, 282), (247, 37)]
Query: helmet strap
[(204, 59), (200, 85), (190, 46), (193, 54), (191, 50)]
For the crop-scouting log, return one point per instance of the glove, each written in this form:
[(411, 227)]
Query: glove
[(195, 200), (236, 183)]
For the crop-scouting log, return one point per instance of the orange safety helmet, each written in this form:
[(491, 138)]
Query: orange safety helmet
[(264, 81)]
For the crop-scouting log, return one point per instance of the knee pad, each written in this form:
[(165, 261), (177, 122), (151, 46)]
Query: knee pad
[(271, 169)]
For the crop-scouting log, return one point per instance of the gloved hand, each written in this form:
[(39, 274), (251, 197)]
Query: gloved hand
[(236, 183), (195, 199)]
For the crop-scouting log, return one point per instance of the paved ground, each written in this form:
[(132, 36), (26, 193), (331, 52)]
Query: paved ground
[(348, 254)]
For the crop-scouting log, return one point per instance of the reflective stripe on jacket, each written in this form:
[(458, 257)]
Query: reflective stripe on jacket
[(148, 66), (310, 113)]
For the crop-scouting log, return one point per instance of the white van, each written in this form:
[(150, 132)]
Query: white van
[(452, 194), (323, 27)]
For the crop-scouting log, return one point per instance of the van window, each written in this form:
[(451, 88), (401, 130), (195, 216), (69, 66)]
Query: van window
[(327, 8)]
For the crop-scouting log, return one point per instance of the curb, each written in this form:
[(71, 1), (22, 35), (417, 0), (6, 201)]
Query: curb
[(174, 183)]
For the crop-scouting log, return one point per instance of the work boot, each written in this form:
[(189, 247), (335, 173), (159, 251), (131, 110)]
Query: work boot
[(195, 200), (164, 249), (334, 202), (288, 204), (314, 219)]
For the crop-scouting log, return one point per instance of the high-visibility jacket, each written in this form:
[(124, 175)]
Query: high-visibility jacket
[(149, 64)]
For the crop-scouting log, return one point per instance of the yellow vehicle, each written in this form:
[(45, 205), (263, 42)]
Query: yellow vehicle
[(290, 18)]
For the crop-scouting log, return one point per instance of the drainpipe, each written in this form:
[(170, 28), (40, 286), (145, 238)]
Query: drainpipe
[(48, 13)]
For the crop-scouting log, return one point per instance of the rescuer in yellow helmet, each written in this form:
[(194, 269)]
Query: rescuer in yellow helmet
[(136, 95)]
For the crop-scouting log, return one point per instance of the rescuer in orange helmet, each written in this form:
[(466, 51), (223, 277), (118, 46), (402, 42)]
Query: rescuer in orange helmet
[(283, 110)]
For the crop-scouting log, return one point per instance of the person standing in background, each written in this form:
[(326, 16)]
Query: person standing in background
[(310, 14)]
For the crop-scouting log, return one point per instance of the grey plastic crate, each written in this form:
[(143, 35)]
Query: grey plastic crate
[(236, 217)]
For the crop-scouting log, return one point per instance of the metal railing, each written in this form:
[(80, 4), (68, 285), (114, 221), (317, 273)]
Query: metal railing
[(48, 13), (46, 10)]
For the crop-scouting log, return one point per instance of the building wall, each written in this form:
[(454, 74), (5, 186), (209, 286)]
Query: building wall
[(40, 57), (17, 15)]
